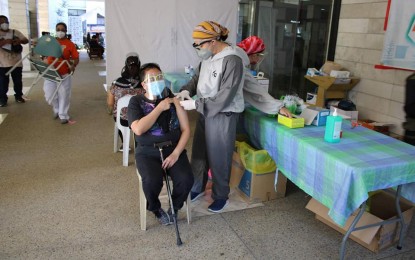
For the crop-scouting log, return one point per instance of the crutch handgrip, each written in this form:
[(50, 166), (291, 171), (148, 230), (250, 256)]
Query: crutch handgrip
[(162, 144)]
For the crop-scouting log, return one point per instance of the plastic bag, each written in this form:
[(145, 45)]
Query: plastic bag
[(256, 161), (18, 48)]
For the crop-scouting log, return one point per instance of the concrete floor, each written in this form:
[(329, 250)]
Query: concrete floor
[(65, 195)]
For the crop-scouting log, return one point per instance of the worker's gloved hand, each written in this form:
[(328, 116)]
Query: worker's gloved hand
[(183, 95), (188, 104)]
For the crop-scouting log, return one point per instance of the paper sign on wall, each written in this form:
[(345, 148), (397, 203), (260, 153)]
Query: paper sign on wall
[(399, 45)]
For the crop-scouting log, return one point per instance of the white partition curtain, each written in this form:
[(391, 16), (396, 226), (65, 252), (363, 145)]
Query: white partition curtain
[(161, 30)]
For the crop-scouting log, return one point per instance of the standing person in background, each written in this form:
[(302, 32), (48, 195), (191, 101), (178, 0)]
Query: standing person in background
[(8, 59), (254, 94), (88, 37), (220, 102), (409, 108), (127, 84), (61, 100), (96, 45)]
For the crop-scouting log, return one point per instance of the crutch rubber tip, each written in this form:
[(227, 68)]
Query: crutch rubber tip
[(179, 243), (399, 247)]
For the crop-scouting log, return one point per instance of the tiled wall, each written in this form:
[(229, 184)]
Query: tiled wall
[(380, 94)]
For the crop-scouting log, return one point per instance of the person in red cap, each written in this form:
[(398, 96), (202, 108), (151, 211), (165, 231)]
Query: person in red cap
[(254, 94), (254, 48)]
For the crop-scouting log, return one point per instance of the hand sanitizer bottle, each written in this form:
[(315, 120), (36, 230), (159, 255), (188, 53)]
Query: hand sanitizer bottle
[(333, 128)]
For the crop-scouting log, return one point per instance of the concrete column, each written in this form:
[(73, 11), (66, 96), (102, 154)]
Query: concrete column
[(19, 20), (4, 7), (33, 16), (43, 15)]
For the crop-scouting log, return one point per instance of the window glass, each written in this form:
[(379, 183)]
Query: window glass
[(296, 35)]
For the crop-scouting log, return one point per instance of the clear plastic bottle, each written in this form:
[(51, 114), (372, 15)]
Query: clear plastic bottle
[(333, 128), (191, 71)]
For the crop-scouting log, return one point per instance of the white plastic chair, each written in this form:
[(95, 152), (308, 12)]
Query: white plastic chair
[(143, 205), (125, 130)]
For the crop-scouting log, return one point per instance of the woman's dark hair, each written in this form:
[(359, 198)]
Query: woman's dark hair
[(131, 60), (146, 67), (132, 64), (63, 24), (223, 37)]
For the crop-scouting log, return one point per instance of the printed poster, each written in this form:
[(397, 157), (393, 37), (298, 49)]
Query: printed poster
[(399, 45)]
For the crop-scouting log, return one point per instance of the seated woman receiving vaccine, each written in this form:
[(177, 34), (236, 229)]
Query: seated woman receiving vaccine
[(157, 117)]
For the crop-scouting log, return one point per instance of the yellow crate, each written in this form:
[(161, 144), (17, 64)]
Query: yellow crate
[(291, 122)]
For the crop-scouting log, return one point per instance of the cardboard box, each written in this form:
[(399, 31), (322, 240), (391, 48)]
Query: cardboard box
[(311, 98), (315, 115), (321, 117), (330, 83), (237, 171), (328, 87), (294, 122), (261, 187), (328, 66), (381, 207), (349, 115), (343, 74)]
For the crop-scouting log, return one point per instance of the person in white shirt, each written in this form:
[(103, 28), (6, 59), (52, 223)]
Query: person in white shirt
[(10, 41)]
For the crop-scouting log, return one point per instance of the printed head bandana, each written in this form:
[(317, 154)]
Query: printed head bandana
[(252, 45), (209, 30)]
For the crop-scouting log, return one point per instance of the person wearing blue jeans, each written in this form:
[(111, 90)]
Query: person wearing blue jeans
[(409, 107), (17, 85)]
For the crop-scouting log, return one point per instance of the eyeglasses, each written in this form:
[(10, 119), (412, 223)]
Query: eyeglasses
[(261, 54), (197, 46), (150, 78)]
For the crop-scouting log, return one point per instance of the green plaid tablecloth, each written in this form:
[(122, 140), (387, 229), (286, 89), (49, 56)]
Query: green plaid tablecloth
[(339, 175)]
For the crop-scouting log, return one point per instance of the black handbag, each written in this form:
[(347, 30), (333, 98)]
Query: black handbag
[(18, 48)]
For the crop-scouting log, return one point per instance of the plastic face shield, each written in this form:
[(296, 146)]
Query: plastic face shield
[(256, 60), (156, 86), (153, 78)]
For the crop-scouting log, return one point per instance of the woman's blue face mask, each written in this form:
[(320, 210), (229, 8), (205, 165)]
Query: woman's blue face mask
[(156, 88)]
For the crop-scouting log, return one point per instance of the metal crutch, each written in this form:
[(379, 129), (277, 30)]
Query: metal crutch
[(173, 213)]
